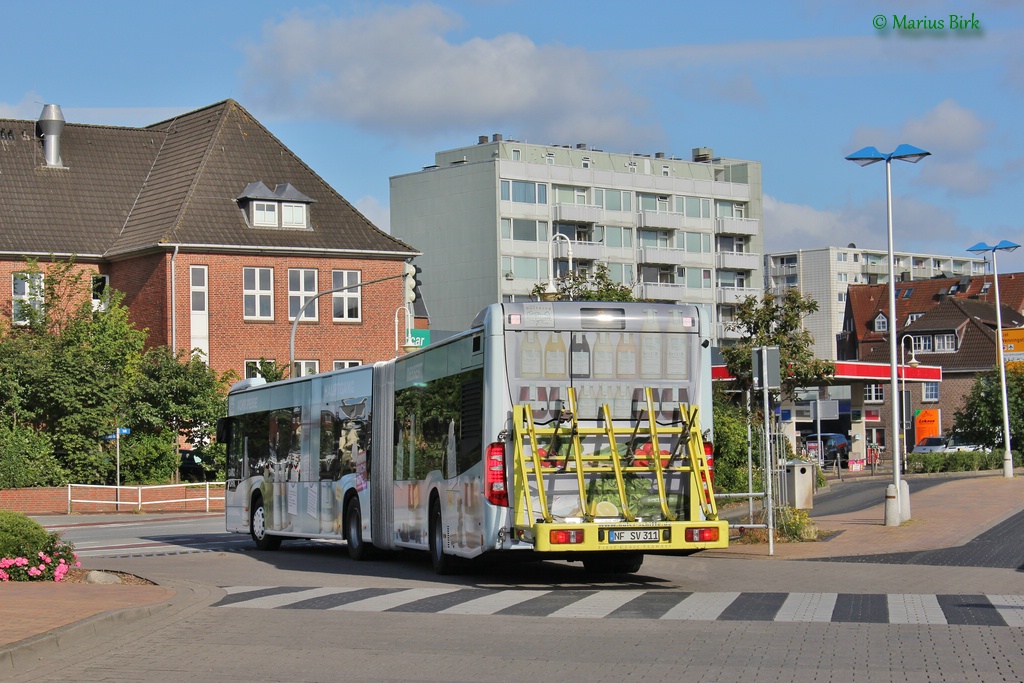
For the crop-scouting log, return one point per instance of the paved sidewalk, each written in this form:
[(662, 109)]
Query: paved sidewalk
[(36, 617)]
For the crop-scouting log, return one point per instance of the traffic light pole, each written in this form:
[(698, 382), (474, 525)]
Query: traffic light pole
[(302, 311)]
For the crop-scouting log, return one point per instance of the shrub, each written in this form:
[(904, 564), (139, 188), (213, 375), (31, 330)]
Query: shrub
[(958, 461), (28, 552)]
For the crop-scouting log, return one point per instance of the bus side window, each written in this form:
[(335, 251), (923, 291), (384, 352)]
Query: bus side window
[(330, 462)]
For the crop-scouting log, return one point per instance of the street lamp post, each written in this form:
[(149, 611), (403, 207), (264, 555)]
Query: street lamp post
[(905, 407), (980, 248), (551, 293), (894, 503)]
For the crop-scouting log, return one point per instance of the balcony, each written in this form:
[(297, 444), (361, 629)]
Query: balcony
[(663, 255), (732, 260), (722, 331), (664, 291), (737, 226), (578, 213), (783, 270), (581, 251), (661, 219), (735, 295)]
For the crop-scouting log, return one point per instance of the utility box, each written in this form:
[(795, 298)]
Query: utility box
[(800, 484)]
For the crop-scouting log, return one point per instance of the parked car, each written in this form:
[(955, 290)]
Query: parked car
[(957, 443), (834, 447), (930, 444)]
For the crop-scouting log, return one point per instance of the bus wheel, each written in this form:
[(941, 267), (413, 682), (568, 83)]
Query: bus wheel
[(616, 563), (358, 549), (258, 527), (443, 563)]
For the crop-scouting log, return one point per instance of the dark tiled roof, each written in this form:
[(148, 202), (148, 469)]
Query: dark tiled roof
[(128, 190), (972, 321)]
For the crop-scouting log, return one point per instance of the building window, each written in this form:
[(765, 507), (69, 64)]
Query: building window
[(613, 200), (693, 207), (931, 391), (945, 342), (343, 364), (874, 393), (881, 323), (523, 267), (841, 297), (614, 236), (586, 162), (841, 256), (907, 292), (698, 278), (922, 343), (264, 214), (842, 277), (792, 281), (197, 288), (26, 296), (985, 287), (524, 192), (301, 289), (516, 155), (293, 215), (348, 303), (913, 316), (254, 368), (99, 291), (621, 273), (550, 159), (665, 171), (258, 293), (301, 368)]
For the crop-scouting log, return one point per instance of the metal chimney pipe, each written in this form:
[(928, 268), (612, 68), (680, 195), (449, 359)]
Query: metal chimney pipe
[(51, 123)]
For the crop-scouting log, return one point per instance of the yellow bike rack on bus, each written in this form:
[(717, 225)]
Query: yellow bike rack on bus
[(587, 530)]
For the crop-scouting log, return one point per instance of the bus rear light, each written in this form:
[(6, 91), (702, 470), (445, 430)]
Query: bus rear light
[(566, 536), (495, 487), (709, 455), (702, 535)]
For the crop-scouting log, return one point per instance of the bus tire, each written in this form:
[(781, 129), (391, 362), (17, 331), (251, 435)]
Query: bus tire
[(358, 549), (617, 563), (258, 526), (443, 563)]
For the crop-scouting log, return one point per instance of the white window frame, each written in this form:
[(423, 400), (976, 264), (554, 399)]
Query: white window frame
[(303, 368), (930, 392), (344, 364), (195, 289), (103, 282), (297, 297), (340, 278), (922, 343), (261, 214), (258, 293), (874, 392), (31, 294), (881, 323), (252, 365), (293, 215)]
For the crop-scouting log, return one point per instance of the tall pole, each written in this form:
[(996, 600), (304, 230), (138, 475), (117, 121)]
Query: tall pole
[(893, 330), (1007, 453)]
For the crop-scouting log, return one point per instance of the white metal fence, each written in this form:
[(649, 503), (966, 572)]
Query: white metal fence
[(138, 497)]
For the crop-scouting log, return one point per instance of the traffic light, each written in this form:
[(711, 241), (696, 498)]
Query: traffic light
[(412, 281)]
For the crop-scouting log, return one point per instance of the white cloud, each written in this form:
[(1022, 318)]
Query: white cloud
[(378, 214), (395, 70)]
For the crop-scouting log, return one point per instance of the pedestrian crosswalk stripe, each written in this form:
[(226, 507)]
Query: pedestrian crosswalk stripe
[(896, 608)]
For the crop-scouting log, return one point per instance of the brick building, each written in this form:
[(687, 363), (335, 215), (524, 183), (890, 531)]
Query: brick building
[(214, 230), (945, 322)]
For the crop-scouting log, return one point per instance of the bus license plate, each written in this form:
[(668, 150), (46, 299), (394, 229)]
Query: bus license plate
[(634, 536)]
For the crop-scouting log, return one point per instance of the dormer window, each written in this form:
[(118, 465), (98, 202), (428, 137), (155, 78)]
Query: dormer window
[(283, 207), (881, 323)]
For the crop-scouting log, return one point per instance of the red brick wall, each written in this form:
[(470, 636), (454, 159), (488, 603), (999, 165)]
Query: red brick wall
[(8, 268), (233, 340), (42, 501)]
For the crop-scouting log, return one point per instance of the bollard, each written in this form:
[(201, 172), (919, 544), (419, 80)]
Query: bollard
[(904, 501), (892, 506)]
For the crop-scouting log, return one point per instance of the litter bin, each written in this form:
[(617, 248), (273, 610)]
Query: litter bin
[(800, 484)]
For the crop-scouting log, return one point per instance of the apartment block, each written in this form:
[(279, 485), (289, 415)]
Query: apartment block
[(825, 273), (498, 218)]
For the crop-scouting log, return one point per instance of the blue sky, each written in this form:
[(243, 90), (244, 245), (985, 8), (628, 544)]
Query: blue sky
[(363, 91)]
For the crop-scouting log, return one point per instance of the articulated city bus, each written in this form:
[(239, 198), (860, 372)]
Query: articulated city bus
[(549, 430)]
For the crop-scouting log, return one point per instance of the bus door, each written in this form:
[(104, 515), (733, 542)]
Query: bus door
[(235, 517)]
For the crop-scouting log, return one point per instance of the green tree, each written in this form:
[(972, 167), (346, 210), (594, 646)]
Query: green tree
[(777, 321), (177, 395), (577, 285), (731, 443), (980, 419)]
